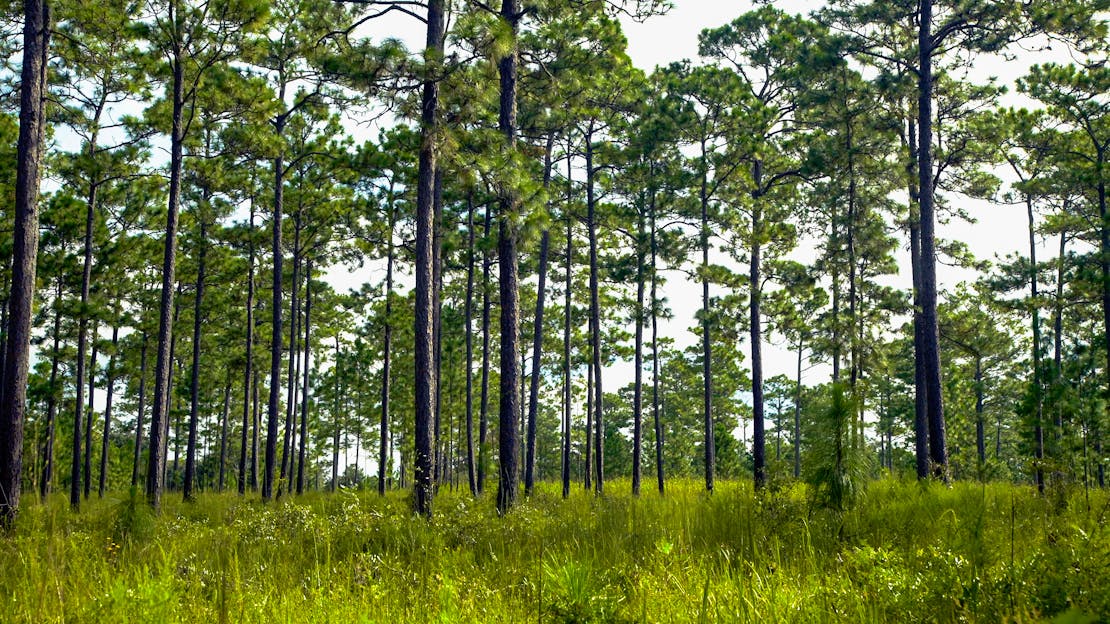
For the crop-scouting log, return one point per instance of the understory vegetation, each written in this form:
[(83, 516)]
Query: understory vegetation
[(905, 552)]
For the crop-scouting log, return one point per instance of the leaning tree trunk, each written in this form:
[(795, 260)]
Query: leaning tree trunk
[(423, 487), (194, 384), (930, 343), (509, 273)]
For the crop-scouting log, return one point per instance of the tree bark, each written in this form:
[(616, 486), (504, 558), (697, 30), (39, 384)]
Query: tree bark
[(537, 348), (709, 443), (102, 486), (276, 337), (595, 320), (483, 415), (567, 312), (194, 383), (638, 385), (425, 389), (159, 418), (47, 477), (248, 368), (387, 349), (89, 416), (508, 278), (468, 313), (1038, 413), (289, 434), (222, 475), (655, 407), (920, 397), (930, 352), (755, 283), (306, 395)]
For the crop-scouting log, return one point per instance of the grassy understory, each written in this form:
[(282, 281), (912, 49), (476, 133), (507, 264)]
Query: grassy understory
[(969, 553)]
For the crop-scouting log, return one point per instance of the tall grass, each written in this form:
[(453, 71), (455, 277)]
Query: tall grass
[(904, 553)]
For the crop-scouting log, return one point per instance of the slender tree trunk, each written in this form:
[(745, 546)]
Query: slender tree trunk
[(468, 314), (425, 388), (1038, 414), (337, 420), (798, 415), (483, 415), (709, 442), (102, 486), (159, 418), (567, 319), (289, 433), (1058, 334), (508, 279), (980, 440), (595, 320), (194, 384), (276, 337), (87, 482), (437, 335), (655, 352), (306, 394), (638, 385), (47, 477), (222, 475), (256, 424), (387, 349), (537, 347), (1104, 265), (139, 414), (248, 368), (920, 397), (930, 353), (588, 472), (755, 283)]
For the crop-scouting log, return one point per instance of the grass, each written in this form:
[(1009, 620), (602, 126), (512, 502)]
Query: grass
[(905, 553)]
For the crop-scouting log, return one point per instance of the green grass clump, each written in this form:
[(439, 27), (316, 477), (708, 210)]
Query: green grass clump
[(903, 553)]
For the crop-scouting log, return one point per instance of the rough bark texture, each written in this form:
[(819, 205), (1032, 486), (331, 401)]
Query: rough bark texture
[(930, 339), (425, 387), (508, 278), (159, 419)]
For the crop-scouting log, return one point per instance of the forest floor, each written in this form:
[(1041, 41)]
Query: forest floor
[(904, 553)]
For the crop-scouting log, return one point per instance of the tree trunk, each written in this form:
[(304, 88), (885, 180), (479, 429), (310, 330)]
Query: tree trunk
[(798, 415), (47, 477), (709, 443), (336, 420), (87, 483), (425, 388), (980, 440), (483, 415), (256, 424), (537, 347), (139, 414), (25, 237), (1038, 413), (102, 486), (567, 311), (223, 435), (437, 335), (655, 352), (248, 368), (595, 320), (468, 313), (306, 396), (930, 343), (387, 348), (159, 418), (755, 283), (920, 397), (276, 336), (289, 434), (638, 385), (508, 279), (194, 383)]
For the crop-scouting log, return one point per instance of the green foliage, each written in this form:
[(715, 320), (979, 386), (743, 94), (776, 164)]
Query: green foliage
[(835, 467)]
